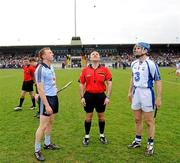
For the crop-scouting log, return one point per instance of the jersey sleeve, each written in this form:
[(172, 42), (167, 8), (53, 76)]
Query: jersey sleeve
[(155, 72), (82, 78), (108, 75), (39, 75)]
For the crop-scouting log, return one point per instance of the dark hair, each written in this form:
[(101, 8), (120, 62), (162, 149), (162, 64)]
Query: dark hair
[(32, 59), (95, 51), (25, 58)]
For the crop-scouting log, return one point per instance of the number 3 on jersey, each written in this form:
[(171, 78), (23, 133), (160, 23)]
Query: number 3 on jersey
[(137, 76)]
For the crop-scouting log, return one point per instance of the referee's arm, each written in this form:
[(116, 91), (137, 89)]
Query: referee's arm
[(82, 83), (109, 88), (82, 89)]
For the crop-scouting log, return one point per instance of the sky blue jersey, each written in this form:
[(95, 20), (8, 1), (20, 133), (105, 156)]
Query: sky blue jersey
[(46, 75)]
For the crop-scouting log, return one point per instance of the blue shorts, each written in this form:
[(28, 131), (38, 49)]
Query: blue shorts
[(53, 102)]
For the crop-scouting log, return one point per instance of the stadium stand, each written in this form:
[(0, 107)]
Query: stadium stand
[(111, 55)]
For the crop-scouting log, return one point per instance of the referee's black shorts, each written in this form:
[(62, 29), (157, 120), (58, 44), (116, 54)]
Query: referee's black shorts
[(27, 86), (53, 102), (94, 100)]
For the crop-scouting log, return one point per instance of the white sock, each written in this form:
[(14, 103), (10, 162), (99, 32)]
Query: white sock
[(47, 140), (86, 136), (102, 135), (137, 140), (37, 147)]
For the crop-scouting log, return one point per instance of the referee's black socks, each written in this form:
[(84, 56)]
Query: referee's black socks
[(21, 101), (33, 101), (101, 127), (87, 126)]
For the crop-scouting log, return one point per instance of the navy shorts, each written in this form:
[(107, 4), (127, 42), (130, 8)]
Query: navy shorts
[(53, 102), (94, 100), (28, 86)]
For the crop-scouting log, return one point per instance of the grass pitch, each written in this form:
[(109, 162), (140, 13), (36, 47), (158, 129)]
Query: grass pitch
[(17, 129)]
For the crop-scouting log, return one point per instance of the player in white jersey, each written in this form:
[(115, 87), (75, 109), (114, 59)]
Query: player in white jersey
[(178, 68), (141, 95)]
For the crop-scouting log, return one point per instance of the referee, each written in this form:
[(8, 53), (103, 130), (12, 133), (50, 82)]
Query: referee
[(48, 103), (27, 85), (35, 63), (93, 82)]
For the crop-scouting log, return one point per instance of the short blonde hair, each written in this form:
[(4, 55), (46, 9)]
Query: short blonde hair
[(41, 52)]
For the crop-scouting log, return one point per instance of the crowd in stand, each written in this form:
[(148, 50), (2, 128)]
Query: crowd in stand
[(166, 59), (9, 61), (162, 59), (119, 60)]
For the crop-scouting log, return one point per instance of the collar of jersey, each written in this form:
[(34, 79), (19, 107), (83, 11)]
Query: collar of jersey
[(45, 65), (90, 65), (37, 65), (144, 60)]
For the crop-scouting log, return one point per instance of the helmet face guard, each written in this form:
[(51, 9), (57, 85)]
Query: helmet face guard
[(145, 48)]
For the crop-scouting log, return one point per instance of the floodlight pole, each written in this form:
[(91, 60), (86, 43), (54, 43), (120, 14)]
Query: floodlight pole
[(75, 34), (76, 40)]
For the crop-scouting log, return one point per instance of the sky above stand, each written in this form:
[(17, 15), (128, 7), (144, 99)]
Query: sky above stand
[(51, 22)]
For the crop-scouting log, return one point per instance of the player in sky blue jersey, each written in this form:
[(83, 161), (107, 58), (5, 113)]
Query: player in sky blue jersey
[(141, 94), (48, 102)]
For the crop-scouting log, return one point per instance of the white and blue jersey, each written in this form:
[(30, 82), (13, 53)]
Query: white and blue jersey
[(46, 75), (144, 73), (143, 76), (178, 67)]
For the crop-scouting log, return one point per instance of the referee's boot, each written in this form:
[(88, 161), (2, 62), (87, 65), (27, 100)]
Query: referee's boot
[(17, 108), (134, 144), (149, 150), (38, 155), (103, 140), (85, 141), (51, 147)]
